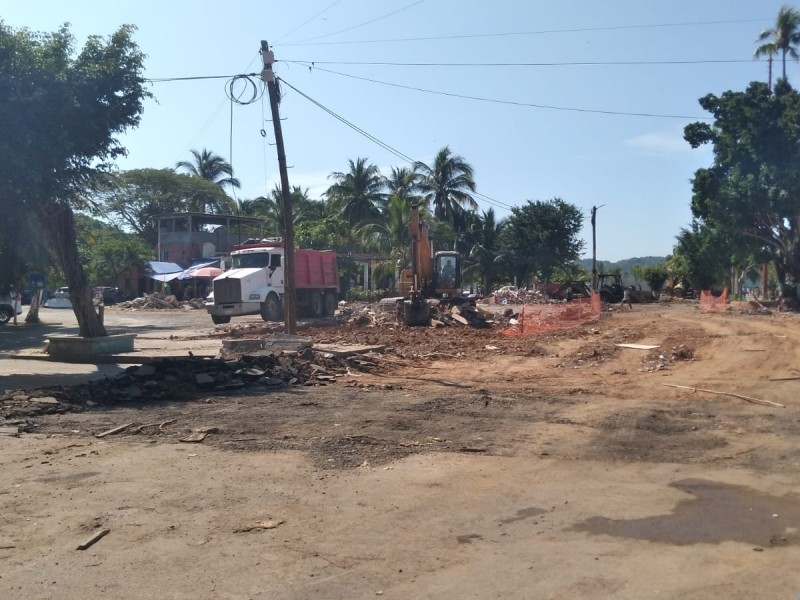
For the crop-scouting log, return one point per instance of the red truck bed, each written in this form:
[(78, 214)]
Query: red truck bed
[(315, 269)]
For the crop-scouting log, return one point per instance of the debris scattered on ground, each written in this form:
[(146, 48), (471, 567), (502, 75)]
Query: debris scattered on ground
[(740, 396), (170, 379), (162, 301), (96, 537), (260, 525), (119, 429)]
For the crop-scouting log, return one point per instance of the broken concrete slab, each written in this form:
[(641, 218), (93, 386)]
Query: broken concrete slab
[(72, 348), (341, 350)]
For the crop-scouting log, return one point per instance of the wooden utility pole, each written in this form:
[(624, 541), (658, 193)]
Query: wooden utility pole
[(594, 249), (290, 298)]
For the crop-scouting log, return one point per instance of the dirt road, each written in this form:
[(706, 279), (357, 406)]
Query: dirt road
[(464, 464)]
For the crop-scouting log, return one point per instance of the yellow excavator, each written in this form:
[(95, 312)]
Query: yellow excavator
[(431, 275)]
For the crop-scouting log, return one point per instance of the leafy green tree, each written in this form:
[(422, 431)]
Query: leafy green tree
[(752, 187), (61, 115), (485, 251), (784, 38), (133, 200), (107, 251), (655, 276), (540, 237), (358, 194), (447, 186), (210, 167)]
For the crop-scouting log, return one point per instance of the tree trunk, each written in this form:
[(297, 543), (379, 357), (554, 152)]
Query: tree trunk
[(59, 222), (33, 310)]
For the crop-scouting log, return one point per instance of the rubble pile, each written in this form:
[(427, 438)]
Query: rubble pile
[(158, 300), (172, 379)]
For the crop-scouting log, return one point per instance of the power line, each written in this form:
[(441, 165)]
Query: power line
[(525, 33), (365, 23), (528, 64), (306, 22), (512, 102), (375, 140)]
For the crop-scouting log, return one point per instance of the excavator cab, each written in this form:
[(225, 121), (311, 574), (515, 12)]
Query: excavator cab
[(447, 273)]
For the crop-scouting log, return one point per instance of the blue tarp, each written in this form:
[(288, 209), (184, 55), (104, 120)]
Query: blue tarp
[(162, 271)]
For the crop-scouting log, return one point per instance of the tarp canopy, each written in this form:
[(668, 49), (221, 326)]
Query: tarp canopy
[(162, 271), (190, 272)]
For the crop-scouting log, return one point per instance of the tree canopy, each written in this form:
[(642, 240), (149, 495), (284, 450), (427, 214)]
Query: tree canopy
[(61, 115), (133, 199), (753, 185), (541, 236)]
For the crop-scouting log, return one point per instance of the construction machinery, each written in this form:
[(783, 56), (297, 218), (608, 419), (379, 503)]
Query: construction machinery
[(431, 274), (610, 287)]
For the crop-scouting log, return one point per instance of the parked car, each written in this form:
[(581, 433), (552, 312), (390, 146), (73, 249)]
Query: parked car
[(8, 307), (59, 299), (111, 295)]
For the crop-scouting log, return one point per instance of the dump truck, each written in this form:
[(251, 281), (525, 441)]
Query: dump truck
[(255, 284), (431, 274)]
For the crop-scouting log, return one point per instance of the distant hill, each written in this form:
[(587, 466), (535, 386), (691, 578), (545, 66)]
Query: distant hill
[(625, 266)]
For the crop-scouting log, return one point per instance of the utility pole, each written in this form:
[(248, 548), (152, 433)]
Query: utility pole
[(290, 298), (594, 247)]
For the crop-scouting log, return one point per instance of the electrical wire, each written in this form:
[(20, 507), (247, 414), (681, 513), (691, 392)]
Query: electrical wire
[(306, 22), (511, 102), (528, 64), (526, 33), (382, 144), (364, 24)]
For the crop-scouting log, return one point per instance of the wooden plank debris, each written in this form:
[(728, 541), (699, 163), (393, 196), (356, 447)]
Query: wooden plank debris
[(741, 397), (638, 346), (114, 430), (96, 537)]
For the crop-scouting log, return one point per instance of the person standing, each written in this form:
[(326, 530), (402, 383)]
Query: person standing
[(626, 298)]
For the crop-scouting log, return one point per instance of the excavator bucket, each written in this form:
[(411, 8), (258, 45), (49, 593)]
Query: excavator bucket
[(416, 311)]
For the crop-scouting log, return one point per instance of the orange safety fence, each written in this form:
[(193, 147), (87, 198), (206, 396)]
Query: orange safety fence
[(537, 318), (711, 303)]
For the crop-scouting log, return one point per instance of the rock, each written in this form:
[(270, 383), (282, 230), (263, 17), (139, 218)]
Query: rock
[(271, 381), (144, 371), (204, 379), (133, 392), (45, 400)]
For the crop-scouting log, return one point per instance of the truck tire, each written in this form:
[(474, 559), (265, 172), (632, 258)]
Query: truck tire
[(271, 309), (317, 305), (220, 319), (330, 304), (6, 314)]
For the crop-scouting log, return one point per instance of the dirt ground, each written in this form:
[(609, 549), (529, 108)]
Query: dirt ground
[(459, 463)]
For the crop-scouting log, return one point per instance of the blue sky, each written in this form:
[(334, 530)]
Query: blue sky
[(638, 167)]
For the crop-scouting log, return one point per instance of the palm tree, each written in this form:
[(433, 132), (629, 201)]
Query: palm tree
[(403, 183), (212, 167), (769, 50), (485, 251), (785, 36), (358, 194), (446, 186)]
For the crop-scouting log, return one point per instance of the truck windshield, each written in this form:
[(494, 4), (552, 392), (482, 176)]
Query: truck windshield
[(258, 260)]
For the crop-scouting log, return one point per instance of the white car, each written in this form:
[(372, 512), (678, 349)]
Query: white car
[(59, 299), (8, 306)]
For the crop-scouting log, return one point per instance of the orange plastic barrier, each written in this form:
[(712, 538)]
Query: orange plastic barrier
[(709, 303), (536, 318)]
